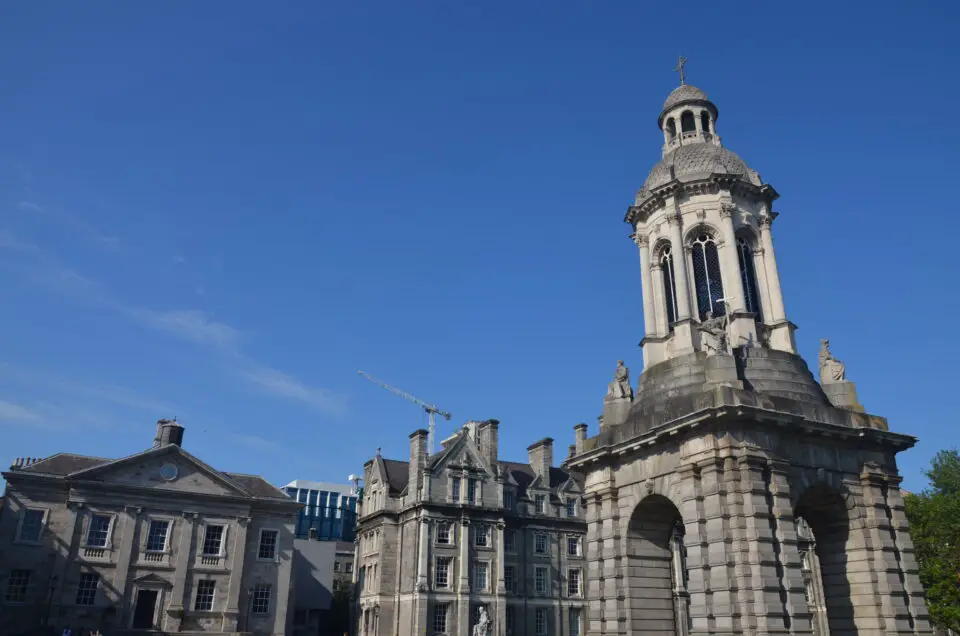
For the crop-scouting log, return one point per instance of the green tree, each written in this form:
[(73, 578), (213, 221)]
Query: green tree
[(934, 517), (339, 617)]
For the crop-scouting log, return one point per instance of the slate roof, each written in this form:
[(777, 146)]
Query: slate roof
[(684, 93), (398, 474), (695, 160), (66, 464)]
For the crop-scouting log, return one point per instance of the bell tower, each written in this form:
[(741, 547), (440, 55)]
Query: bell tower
[(733, 493), (702, 223)]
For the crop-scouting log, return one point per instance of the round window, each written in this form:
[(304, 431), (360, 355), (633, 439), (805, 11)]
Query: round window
[(168, 471)]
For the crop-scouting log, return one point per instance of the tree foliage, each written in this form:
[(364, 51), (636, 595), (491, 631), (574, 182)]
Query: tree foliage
[(934, 517)]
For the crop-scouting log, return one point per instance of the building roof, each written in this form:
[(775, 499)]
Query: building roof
[(698, 160), (398, 474), (684, 93), (64, 464)]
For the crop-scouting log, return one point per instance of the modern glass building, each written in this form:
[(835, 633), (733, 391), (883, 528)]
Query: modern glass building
[(330, 510)]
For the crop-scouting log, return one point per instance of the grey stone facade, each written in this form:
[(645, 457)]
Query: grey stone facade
[(440, 536), (156, 540), (735, 495)]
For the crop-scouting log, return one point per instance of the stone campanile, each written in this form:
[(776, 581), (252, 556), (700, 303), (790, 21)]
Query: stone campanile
[(733, 493)]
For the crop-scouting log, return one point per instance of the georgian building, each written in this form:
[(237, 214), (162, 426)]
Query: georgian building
[(440, 536), (158, 540), (733, 493)]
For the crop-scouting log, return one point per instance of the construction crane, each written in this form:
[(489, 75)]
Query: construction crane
[(431, 409)]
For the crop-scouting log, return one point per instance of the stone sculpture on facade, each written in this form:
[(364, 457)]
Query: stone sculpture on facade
[(483, 623), (713, 337), (620, 386), (831, 369)]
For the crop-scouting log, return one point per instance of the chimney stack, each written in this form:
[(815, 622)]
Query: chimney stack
[(580, 436), (418, 460), (541, 457), (488, 437)]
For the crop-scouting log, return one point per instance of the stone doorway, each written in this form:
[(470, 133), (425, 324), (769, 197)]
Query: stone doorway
[(656, 581), (144, 613)]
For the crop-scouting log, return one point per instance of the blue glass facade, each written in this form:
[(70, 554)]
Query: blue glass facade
[(332, 515)]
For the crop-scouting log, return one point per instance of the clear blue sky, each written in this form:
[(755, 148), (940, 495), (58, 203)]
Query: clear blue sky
[(222, 210)]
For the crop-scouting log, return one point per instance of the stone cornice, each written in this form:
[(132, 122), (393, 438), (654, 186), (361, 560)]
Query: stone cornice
[(656, 199)]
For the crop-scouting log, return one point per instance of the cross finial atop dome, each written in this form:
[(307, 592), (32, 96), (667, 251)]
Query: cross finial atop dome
[(679, 69)]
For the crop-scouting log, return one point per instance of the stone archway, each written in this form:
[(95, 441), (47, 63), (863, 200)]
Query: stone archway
[(823, 528), (656, 573)]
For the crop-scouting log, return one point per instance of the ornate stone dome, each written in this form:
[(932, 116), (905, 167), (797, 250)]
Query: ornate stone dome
[(684, 93), (695, 160)]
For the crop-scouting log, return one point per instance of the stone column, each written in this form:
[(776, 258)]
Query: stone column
[(423, 554), (729, 261), (66, 555), (659, 300), (762, 287), (679, 261), (593, 550), (128, 540), (614, 612), (501, 616), (720, 590), (178, 597), (693, 513), (646, 285), (463, 580), (237, 561), (777, 312)]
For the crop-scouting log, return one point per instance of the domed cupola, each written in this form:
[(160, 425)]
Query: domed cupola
[(688, 117)]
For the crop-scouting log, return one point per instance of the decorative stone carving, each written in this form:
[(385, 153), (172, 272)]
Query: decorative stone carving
[(483, 623), (831, 369), (727, 209), (620, 386), (641, 240), (713, 335)]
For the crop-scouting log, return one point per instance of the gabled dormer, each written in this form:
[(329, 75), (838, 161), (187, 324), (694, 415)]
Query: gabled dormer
[(462, 473)]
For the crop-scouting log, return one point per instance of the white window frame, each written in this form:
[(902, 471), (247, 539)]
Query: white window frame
[(579, 577), (196, 596), (108, 544), (537, 501), (456, 494), (446, 618), (253, 599), (166, 540), (576, 507), (276, 545), (546, 580), (43, 525), (538, 613), (486, 577), (96, 590), (223, 538), (546, 543), (449, 526), (436, 569), (577, 539), (481, 530), (578, 612)]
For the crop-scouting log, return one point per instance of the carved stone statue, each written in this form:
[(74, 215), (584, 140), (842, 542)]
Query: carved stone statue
[(483, 623), (713, 336), (620, 387), (831, 369)]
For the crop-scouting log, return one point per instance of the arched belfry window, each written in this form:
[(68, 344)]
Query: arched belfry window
[(706, 275), (672, 128), (687, 122), (705, 122), (669, 285), (748, 274)]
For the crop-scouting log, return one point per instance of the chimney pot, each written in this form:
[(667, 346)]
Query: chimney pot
[(540, 455), (580, 436)]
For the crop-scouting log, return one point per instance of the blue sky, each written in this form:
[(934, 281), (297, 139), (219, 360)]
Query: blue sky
[(221, 210)]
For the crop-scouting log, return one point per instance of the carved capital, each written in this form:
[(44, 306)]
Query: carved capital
[(135, 511), (189, 515), (727, 210), (766, 222), (655, 266), (243, 520), (641, 240), (501, 525), (701, 215), (673, 218)]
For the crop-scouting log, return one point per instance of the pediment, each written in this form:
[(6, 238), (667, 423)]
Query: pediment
[(151, 579), (463, 453), (571, 487), (166, 469)]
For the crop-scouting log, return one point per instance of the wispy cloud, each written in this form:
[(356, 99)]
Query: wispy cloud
[(73, 223), (10, 412), (253, 442), (286, 386), (14, 243), (111, 393), (189, 324)]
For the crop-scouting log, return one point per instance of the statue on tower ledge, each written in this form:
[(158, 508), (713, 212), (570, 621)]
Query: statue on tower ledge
[(831, 369), (620, 387), (713, 335)]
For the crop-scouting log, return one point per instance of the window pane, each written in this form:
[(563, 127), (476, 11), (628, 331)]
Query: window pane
[(669, 286), (157, 535), (17, 585), (213, 540), (99, 529), (205, 591), (32, 525), (261, 598), (87, 590), (268, 544), (574, 621)]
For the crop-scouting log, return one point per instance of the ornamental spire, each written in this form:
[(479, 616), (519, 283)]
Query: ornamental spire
[(679, 68)]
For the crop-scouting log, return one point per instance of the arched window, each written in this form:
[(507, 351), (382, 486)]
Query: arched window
[(669, 285), (706, 276), (705, 122), (672, 129), (748, 275), (687, 122)]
